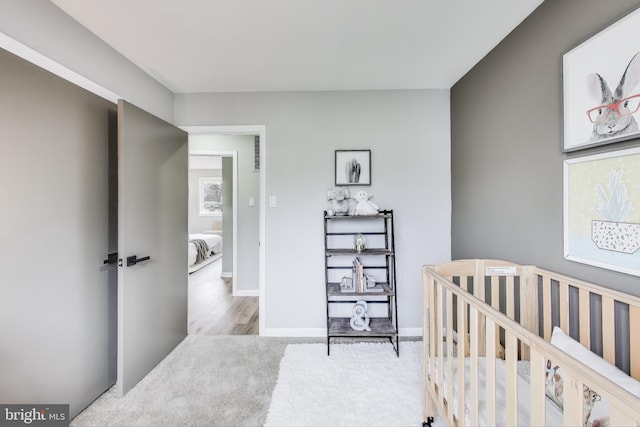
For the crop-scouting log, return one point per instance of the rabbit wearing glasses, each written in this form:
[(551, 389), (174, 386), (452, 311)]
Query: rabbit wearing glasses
[(614, 116)]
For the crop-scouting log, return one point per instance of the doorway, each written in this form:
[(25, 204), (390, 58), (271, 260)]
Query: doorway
[(248, 223)]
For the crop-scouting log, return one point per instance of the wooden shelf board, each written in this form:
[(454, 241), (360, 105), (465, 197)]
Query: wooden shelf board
[(380, 327), (333, 290)]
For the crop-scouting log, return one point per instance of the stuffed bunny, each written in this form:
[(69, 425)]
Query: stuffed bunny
[(614, 117), (339, 198), (364, 205)]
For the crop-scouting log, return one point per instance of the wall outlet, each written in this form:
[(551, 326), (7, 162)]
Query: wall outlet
[(272, 201)]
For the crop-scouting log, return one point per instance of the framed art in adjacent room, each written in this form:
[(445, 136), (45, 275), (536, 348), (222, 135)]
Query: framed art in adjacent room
[(210, 196), (602, 210), (353, 167), (601, 94)]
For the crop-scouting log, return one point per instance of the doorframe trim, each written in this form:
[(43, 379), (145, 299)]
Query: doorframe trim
[(234, 199), (262, 132)]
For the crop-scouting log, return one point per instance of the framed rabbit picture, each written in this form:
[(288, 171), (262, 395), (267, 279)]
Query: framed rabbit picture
[(601, 90)]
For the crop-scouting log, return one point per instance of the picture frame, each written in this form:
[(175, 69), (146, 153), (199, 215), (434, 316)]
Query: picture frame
[(602, 210), (209, 196), (594, 112), (353, 167)]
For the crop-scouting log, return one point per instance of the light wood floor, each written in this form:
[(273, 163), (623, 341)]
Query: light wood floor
[(212, 308)]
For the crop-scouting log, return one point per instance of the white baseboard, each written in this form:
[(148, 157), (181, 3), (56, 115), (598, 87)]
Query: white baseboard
[(247, 293), (226, 275), (410, 332), (322, 332)]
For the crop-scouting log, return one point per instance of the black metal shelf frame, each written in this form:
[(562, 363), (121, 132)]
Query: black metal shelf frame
[(381, 327)]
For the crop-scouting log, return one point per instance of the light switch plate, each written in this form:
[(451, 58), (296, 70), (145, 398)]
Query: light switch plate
[(272, 201)]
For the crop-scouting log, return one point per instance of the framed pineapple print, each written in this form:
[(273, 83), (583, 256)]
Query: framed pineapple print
[(602, 210)]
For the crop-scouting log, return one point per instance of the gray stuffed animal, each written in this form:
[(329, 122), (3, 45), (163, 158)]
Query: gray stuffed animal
[(339, 201)]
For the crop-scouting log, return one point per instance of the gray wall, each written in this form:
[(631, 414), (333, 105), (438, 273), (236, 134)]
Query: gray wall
[(248, 217), (506, 136), (42, 26), (408, 133)]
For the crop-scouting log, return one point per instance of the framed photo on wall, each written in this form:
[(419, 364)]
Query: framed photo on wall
[(210, 196), (353, 167), (601, 90), (602, 210)]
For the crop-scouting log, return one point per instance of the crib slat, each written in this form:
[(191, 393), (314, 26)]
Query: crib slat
[(464, 283), (495, 302), (490, 361), (564, 306), (473, 365), (634, 338), (438, 303), (546, 302), (529, 306), (608, 329), (478, 281), (573, 401), (429, 404), (462, 352), (449, 338), (434, 336), (537, 374), (585, 317), (495, 292), (510, 292), (511, 386), (479, 292), (432, 327)]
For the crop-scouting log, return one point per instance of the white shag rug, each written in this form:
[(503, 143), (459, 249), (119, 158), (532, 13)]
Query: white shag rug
[(360, 384)]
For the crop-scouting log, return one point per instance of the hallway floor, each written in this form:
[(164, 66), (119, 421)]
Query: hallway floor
[(212, 308)]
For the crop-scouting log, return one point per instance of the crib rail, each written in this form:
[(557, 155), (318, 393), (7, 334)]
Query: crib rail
[(606, 301), (464, 323)]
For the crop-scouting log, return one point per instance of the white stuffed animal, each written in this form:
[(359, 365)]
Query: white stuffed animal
[(364, 205), (339, 198)]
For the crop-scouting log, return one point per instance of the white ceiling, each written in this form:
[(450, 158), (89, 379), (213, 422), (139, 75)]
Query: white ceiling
[(290, 45)]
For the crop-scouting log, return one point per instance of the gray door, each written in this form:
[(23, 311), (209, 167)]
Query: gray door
[(57, 306), (152, 227)]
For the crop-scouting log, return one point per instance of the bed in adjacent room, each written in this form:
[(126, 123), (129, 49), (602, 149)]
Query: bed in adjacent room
[(202, 248)]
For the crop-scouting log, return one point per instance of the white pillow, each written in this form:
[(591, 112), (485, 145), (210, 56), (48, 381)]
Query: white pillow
[(595, 362), (596, 409)]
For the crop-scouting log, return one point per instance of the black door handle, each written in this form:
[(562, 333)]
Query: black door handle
[(133, 260), (112, 258)]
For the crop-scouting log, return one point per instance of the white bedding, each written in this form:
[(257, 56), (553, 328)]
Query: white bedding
[(553, 416), (214, 242)]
